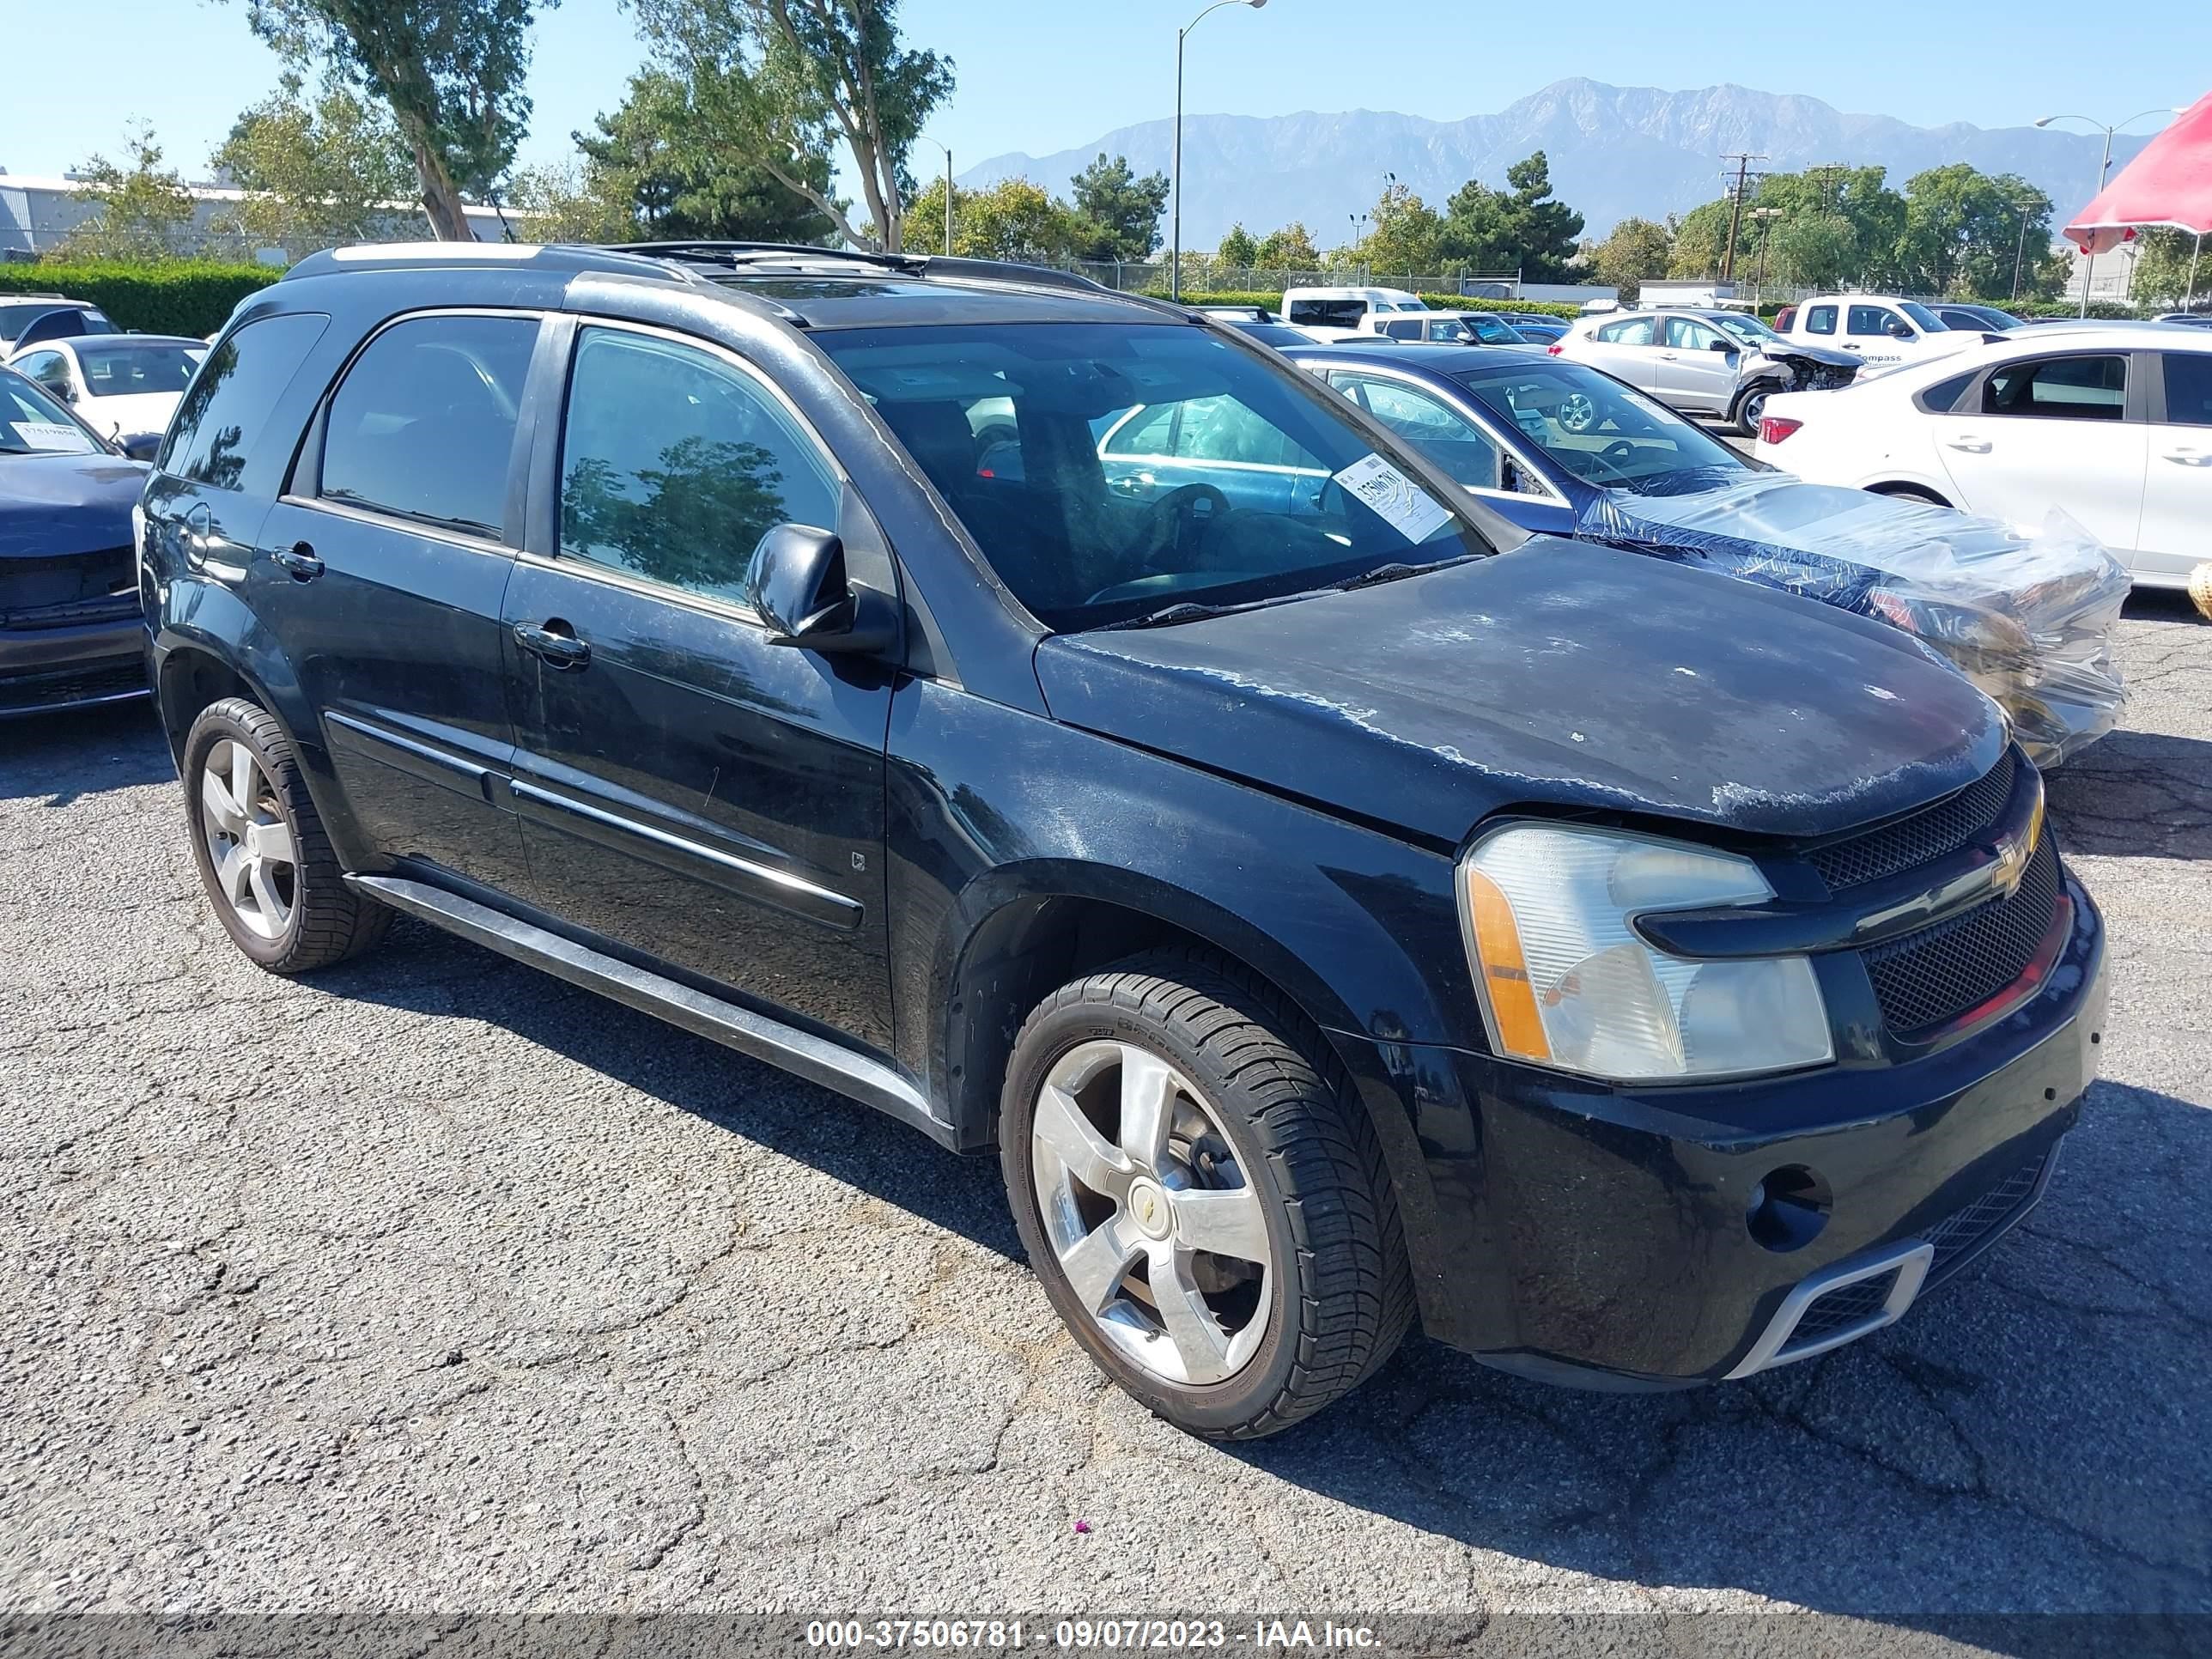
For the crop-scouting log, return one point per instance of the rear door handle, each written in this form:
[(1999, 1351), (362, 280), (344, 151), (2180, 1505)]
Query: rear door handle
[(2188, 457), (299, 559), (1971, 445), (551, 643)]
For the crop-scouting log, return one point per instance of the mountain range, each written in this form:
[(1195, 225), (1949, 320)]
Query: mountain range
[(1613, 151)]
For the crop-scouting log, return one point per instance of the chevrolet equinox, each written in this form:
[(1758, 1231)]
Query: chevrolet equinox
[(1045, 715)]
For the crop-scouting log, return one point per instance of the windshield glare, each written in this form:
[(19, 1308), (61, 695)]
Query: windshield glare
[(1745, 328), (32, 423), (1109, 470), (125, 371), (1598, 430), (1927, 320)]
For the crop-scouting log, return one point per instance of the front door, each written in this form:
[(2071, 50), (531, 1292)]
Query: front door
[(381, 573), (687, 788), (2052, 432), (1697, 366), (2177, 516)]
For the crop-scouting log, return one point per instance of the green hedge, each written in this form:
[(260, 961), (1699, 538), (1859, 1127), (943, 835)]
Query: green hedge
[(175, 297), (1273, 301)]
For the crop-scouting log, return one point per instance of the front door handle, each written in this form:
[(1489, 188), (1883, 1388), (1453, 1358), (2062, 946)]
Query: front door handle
[(552, 643), (299, 559), (1971, 445)]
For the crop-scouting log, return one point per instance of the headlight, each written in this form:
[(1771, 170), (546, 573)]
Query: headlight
[(1566, 981), (1989, 648)]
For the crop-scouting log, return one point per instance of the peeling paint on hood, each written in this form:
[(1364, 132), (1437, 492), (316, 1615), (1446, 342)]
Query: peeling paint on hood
[(52, 506), (1561, 672)]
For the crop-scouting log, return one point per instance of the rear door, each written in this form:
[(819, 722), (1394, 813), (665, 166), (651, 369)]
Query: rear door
[(2177, 516), (1627, 349), (382, 572), (687, 788), (1696, 365), (2062, 430)]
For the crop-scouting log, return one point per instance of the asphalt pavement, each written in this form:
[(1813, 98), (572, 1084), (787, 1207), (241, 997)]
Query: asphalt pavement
[(431, 1283)]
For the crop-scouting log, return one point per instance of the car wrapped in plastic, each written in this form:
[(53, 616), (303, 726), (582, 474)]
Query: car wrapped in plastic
[(2027, 616)]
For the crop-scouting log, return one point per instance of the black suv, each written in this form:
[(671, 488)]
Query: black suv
[(1045, 716)]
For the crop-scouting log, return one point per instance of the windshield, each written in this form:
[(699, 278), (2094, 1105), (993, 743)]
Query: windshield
[(125, 371), (1138, 466), (1748, 329), (31, 422), (1599, 431), (1928, 321)]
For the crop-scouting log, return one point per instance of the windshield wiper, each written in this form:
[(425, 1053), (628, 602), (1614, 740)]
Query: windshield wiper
[(1396, 568), (1168, 616)]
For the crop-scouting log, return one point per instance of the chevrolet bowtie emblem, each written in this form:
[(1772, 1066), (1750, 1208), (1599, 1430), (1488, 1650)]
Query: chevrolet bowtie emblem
[(2014, 851)]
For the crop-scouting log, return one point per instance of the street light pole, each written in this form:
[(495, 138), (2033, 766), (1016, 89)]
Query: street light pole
[(1175, 221), (947, 149), (2089, 259), (2020, 252)]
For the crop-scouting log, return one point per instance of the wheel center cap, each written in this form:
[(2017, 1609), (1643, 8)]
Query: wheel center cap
[(253, 840), (1148, 1208)]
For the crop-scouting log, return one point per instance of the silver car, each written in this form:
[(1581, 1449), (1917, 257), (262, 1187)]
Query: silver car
[(1705, 362)]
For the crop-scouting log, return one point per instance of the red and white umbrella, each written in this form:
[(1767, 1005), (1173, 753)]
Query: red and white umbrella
[(2169, 184)]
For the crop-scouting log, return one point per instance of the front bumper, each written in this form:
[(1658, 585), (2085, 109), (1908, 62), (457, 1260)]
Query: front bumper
[(1606, 1237), (45, 669)]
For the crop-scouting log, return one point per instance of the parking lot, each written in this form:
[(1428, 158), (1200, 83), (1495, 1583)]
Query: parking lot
[(434, 1283)]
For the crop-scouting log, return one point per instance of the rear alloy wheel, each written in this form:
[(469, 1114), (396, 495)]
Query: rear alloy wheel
[(263, 857), (1206, 1208)]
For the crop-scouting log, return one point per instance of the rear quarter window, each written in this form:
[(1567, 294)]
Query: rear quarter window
[(227, 406)]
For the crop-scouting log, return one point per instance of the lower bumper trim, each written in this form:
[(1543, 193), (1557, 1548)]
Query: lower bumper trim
[(1905, 1264)]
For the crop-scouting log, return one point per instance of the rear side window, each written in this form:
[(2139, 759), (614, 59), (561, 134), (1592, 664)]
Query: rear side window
[(2059, 388), (2188, 388), (230, 400), (1941, 398), (675, 463), (423, 423), (1820, 320)]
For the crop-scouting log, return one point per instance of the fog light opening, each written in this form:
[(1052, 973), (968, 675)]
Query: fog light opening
[(1789, 1208)]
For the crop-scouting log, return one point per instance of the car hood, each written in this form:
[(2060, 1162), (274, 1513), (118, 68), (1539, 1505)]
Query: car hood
[(1560, 673), (126, 417), (54, 505), (1830, 356)]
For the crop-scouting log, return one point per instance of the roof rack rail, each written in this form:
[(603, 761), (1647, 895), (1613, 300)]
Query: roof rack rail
[(549, 256), (737, 254)]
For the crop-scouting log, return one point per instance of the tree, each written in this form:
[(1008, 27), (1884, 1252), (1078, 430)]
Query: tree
[(1517, 229), (1962, 228), (317, 174), (570, 203), (145, 211), (1237, 250), (1408, 235), (1290, 248), (1014, 219), (1117, 214), (2163, 269), (1636, 250), (451, 72), (662, 161), (786, 80)]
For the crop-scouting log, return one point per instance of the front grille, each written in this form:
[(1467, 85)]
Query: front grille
[(1960, 1234), (1928, 978), (1840, 1309), (69, 593), (1930, 834), (95, 683)]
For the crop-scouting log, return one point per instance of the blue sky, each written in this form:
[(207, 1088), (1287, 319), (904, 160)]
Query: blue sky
[(1046, 75)]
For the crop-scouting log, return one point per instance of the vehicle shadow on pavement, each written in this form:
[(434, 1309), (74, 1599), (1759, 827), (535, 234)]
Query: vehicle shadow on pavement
[(2136, 794), (96, 750), (2030, 1439)]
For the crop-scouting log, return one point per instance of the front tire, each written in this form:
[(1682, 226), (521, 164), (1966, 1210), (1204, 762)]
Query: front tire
[(262, 852), (1749, 407), (1206, 1208)]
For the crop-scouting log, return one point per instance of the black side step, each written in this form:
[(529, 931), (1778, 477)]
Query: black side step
[(796, 1051)]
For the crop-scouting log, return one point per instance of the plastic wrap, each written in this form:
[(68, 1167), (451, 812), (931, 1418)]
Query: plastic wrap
[(2028, 617)]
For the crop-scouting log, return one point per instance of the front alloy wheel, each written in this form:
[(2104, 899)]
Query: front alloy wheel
[(1203, 1198), (1576, 412), (1161, 1240)]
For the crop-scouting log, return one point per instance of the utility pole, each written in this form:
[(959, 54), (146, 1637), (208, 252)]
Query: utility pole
[(1743, 158)]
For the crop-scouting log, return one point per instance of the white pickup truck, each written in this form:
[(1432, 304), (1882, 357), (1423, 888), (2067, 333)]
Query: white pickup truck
[(1879, 329)]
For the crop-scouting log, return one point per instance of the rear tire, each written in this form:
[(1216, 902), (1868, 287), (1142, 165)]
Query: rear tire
[(262, 852), (1254, 1104)]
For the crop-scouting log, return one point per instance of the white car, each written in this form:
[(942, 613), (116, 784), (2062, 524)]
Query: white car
[(121, 386), (1880, 330), (2112, 425), (1331, 313)]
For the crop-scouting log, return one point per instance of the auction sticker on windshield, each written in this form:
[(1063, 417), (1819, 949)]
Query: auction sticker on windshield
[(48, 435), (1396, 499)]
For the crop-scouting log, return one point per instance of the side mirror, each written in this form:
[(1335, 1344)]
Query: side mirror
[(140, 446), (796, 582), (1900, 331), (1723, 345)]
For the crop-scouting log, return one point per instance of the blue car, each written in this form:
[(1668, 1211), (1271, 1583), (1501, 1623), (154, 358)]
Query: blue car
[(1561, 448)]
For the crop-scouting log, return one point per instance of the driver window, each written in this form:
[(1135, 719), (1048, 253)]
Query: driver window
[(423, 423), (674, 462), (1439, 432), (1870, 319)]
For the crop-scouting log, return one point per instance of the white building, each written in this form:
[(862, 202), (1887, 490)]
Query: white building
[(37, 213)]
